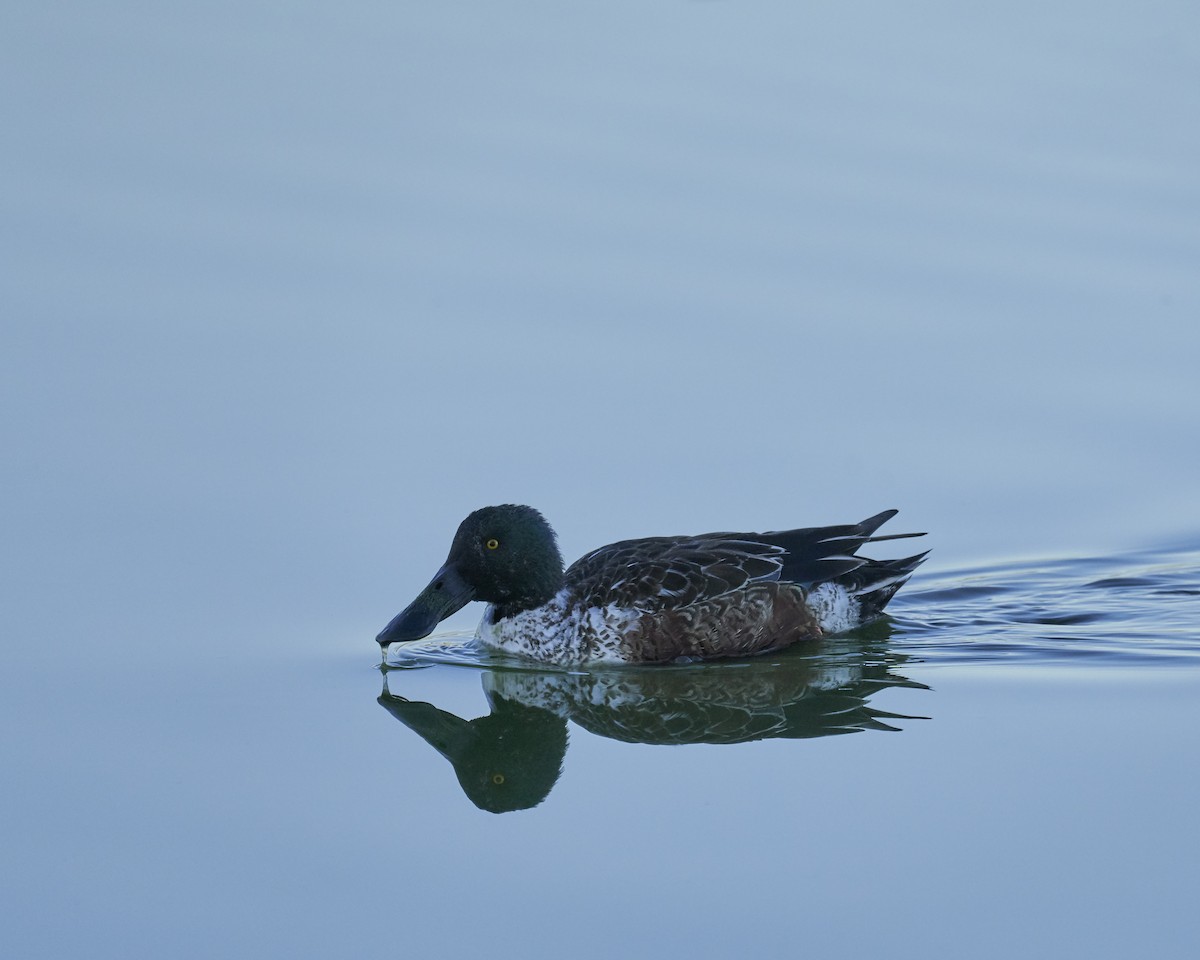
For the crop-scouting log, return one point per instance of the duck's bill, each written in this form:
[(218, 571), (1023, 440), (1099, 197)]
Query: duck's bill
[(447, 593)]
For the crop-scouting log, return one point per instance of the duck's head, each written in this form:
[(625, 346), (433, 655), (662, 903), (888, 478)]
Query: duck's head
[(505, 555)]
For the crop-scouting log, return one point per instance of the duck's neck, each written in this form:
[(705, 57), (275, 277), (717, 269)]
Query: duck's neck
[(537, 593)]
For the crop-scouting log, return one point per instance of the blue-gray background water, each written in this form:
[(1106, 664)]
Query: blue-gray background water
[(287, 291)]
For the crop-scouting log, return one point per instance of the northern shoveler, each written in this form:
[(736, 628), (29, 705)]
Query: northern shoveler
[(656, 600)]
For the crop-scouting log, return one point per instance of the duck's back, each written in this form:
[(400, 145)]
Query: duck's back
[(727, 594)]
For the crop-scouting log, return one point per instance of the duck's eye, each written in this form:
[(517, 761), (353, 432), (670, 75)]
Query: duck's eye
[(492, 544), (497, 778)]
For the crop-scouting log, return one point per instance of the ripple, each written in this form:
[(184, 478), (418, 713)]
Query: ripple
[(1122, 582), (1132, 609)]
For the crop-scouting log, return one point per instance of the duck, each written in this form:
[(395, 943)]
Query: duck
[(655, 600)]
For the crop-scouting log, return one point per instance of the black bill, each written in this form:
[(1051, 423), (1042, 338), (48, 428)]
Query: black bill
[(447, 593)]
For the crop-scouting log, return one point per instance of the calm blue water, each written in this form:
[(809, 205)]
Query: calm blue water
[(1009, 760), (286, 293)]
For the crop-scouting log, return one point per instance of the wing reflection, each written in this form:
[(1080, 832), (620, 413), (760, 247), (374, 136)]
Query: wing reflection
[(511, 758)]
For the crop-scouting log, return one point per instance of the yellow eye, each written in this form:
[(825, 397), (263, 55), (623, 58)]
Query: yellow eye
[(493, 543), (497, 778)]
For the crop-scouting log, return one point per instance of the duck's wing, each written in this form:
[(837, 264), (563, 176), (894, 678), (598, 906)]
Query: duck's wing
[(661, 573), (664, 573)]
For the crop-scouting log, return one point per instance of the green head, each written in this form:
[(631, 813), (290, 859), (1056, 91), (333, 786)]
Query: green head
[(504, 555)]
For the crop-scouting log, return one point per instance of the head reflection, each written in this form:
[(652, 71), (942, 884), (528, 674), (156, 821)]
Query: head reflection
[(507, 760)]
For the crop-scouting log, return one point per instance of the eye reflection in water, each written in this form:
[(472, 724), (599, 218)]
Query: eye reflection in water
[(511, 758)]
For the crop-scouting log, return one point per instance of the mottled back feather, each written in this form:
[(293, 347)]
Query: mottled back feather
[(662, 573)]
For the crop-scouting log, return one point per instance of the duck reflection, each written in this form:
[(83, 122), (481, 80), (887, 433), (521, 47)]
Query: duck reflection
[(511, 758)]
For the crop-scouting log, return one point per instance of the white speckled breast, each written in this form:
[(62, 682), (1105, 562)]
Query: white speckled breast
[(564, 631), (560, 632)]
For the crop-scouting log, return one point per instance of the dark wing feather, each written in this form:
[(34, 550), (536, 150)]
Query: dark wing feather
[(662, 573), (820, 554)]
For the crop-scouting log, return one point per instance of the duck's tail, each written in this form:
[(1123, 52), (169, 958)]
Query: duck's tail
[(876, 581), (871, 582), (817, 555)]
